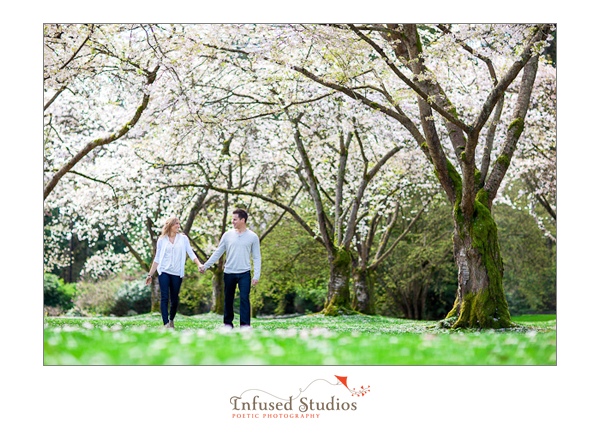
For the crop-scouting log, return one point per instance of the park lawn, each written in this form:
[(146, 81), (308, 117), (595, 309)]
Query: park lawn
[(303, 340), (533, 318)]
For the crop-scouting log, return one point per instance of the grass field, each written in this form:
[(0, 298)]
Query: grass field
[(303, 340)]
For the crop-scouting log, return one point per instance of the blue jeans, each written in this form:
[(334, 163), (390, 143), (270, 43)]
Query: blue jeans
[(243, 280), (169, 285)]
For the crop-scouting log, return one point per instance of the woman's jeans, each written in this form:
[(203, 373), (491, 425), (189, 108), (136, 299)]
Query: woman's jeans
[(169, 285), (242, 280)]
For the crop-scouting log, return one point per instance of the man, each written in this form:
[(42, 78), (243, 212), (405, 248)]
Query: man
[(239, 243)]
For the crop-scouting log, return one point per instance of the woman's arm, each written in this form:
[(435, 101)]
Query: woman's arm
[(154, 266), (190, 252), (152, 270)]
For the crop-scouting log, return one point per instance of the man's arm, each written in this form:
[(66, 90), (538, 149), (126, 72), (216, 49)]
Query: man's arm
[(216, 256), (256, 259)]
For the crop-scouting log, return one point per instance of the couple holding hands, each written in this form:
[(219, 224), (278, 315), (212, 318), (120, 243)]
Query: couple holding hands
[(240, 244)]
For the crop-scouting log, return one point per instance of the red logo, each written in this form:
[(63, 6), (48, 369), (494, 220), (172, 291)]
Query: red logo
[(362, 391)]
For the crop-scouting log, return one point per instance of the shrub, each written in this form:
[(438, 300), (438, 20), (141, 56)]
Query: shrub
[(289, 297), (132, 296), (97, 297), (75, 311), (52, 311), (57, 294), (195, 296), (310, 297)]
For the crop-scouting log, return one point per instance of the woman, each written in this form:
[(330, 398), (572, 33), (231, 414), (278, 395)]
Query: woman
[(170, 261)]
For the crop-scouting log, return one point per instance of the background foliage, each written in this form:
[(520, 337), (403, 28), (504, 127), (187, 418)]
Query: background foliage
[(295, 273)]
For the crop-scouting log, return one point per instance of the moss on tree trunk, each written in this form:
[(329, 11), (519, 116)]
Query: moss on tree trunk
[(338, 291), (363, 300), (480, 300)]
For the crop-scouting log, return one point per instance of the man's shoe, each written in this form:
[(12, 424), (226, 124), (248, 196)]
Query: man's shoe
[(246, 327), (171, 324)]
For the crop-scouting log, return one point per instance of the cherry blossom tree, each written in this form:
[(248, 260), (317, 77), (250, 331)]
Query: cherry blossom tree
[(446, 86), (91, 84), (337, 175), (374, 244), (534, 161)]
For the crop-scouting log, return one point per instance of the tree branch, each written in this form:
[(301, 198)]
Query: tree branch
[(540, 198), (132, 250), (514, 130), (434, 146), (98, 181), (283, 213), (469, 49), (379, 259), (313, 187), (202, 253), (290, 210), (446, 115), (353, 221), (79, 48), (101, 141), (388, 232), (194, 211), (344, 147), (489, 143), (505, 81), (62, 88)]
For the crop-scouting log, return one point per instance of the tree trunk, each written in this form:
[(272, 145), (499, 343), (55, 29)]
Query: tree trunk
[(412, 299), (480, 300), (155, 295), (218, 295), (364, 299), (338, 291), (406, 303)]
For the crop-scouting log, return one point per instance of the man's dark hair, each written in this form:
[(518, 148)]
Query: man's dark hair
[(241, 214)]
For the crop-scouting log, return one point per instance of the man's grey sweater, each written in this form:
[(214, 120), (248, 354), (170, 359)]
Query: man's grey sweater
[(238, 248)]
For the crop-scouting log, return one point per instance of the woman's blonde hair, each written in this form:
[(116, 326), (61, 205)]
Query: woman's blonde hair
[(167, 226)]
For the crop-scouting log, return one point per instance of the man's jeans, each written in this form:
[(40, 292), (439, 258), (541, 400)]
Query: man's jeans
[(169, 285), (242, 280)]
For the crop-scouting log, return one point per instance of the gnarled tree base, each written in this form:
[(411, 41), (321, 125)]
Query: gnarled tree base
[(480, 300), (335, 308), (479, 311), (338, 291)]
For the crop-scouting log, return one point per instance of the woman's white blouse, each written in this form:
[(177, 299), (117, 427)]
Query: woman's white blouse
[(171, 257)]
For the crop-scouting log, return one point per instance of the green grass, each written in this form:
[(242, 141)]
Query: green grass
[(305, 340), (534, 318)]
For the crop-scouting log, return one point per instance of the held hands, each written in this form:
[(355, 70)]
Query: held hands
[(201, 269)]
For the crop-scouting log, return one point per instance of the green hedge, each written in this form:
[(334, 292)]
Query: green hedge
[(56, 293)]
